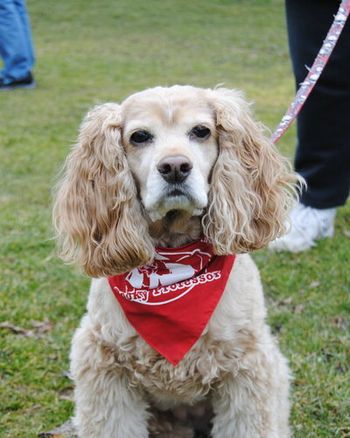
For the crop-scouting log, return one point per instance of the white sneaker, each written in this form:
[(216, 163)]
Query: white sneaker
[(307, 224)]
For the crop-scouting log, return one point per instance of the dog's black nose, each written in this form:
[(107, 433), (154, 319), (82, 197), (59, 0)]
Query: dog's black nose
[(175, 168)]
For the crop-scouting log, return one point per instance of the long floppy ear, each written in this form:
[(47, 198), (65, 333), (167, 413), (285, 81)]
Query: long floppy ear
[(252, 186), (96, 213)]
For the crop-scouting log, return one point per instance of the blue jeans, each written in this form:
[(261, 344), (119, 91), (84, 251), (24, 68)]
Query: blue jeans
[(16, 47)]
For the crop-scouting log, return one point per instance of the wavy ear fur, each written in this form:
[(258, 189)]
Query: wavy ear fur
[(96, 213), (252, 186)]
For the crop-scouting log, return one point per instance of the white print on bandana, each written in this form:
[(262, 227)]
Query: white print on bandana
[(151, 284)]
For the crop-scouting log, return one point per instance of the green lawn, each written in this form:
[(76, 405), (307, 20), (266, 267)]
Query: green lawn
[(90, 52)]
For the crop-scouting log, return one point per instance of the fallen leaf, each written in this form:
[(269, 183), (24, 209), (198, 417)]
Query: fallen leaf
[(42, 326), (314, 284), (66, 394), (67, 430), (16, 329), (299, 308), (285, 301), (340, 322), (39, 328)]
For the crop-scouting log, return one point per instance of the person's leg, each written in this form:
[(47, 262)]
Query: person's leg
[(323, 138), (323, 145), (24, 17), (17, 59)]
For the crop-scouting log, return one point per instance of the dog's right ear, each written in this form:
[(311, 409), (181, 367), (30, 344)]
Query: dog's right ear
[(97, 215)]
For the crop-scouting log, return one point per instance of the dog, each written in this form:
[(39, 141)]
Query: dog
[(167, 168)]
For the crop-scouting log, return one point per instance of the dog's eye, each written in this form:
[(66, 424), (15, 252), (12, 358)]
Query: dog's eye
[(200, 131), (141, 136)]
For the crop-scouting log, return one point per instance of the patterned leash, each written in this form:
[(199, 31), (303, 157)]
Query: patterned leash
[(315, 71)]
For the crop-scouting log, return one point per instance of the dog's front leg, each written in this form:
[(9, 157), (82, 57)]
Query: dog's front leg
[(254, 403), (106, 405)]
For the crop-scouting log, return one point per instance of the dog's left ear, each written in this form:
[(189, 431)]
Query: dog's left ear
[(252, 186)]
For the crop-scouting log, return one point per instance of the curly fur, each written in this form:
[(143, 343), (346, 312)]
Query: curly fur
[(252, 186), (107, 222), (96, 201)]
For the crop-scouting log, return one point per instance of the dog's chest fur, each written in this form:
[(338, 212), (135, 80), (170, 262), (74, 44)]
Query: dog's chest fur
[(230, 335), (203, 368)]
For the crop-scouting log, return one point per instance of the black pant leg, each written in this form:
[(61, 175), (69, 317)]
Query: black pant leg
[(323, 125)]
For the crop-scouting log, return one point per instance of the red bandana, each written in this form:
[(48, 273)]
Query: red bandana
[(170, 301)]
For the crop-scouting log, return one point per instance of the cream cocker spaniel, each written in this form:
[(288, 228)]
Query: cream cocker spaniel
[(167, 168)]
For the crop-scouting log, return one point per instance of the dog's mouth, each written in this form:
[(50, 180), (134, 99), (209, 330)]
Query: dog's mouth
[(176, 192), (175, 199)]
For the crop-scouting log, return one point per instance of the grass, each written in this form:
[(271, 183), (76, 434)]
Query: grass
[(90, 52)]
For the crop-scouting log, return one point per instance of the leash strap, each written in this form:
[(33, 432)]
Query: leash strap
[(315, 72)]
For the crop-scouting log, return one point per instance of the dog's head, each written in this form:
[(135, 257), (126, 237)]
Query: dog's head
[(170, 140), (165, 150)]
